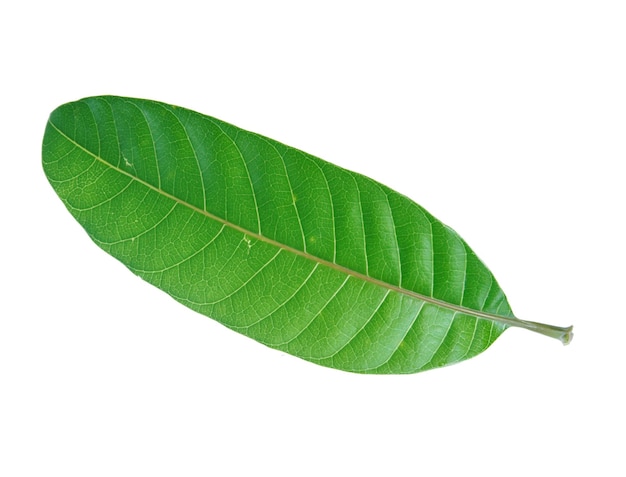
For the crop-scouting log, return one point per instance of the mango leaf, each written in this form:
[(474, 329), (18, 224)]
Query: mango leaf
[(299, 254)]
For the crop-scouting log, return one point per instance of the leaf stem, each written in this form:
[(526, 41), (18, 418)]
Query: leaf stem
[(563, 334)]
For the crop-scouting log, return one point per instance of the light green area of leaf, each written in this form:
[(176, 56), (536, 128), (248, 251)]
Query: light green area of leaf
[(279, 245)]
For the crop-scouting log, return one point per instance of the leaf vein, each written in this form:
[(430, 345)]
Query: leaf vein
[(244, 284), (324, 306), (186, 259), (293, 202), (352, 338), (281, 305), (245, 165), (397, 347)]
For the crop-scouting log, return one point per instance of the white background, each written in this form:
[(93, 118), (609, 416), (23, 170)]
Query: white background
[(506, 120)]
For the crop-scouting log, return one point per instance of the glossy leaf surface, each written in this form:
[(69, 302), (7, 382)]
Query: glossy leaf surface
[(299, 254)]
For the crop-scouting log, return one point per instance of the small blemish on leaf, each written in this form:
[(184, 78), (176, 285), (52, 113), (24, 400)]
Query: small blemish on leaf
[(248, 241)]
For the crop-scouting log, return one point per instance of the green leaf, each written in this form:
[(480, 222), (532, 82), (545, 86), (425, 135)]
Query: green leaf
[(299, 254)]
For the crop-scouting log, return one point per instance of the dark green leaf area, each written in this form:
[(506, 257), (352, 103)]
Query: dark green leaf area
[(279, 245)]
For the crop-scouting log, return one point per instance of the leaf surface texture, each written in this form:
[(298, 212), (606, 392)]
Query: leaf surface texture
[(299, 254)]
